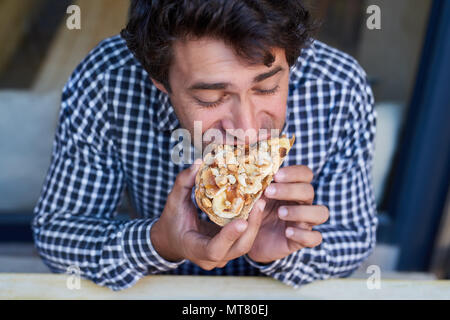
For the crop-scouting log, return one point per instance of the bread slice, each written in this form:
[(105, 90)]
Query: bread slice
[(232, 178)]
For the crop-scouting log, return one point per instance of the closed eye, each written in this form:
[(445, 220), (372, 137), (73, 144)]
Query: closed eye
[(224, 97), (211, 104), (269, 91)]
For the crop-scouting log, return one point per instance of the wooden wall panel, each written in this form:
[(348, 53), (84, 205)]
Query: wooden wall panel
[(99, 20), (13, 22)]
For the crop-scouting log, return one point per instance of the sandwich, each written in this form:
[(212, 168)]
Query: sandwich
[(232, 178)]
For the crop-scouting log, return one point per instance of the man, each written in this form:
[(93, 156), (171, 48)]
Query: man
[(232, 65)]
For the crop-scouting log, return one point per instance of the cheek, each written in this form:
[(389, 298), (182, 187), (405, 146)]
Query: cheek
[(188, 113), (273, 106), (206, 118)]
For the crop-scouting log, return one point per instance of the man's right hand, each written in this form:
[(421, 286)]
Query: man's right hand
[(179, 233)]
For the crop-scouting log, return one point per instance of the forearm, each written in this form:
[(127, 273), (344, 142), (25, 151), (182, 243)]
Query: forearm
[(111, 253)]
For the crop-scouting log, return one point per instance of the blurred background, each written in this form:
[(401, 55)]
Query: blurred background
[(408, 64)]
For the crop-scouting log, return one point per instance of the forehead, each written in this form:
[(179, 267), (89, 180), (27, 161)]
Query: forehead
[(206, 57)]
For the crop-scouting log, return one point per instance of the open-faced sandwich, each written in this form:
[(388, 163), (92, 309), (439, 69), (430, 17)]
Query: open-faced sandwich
[(232, 178)]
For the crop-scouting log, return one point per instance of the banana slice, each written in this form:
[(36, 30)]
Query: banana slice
[(254, 185), (223, 207)]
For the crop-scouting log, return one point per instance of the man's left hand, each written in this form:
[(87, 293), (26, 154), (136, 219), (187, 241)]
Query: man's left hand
[(289, 216)]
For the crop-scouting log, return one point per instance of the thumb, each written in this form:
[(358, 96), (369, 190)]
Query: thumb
[(186, 179)]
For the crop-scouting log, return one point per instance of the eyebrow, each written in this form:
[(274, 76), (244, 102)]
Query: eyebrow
[(266, 75), (224, 85), (209, 86)]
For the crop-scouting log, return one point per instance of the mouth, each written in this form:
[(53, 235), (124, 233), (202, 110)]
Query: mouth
[(235, 137)]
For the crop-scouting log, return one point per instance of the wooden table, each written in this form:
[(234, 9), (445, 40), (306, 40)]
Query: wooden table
[(54, 286)]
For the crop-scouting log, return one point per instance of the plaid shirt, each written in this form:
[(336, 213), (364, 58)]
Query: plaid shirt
[(115, 132)]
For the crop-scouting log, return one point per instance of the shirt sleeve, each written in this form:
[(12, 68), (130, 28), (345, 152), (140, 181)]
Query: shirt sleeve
[(73, 223), (344, 185)]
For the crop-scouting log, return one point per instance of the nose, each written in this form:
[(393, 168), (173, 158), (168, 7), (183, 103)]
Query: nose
[(242, 123)]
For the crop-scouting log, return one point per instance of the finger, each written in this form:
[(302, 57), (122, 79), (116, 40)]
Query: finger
[(208, 228), (185, 180), (296, 173), (219, 246), (209, 265), (194, 245), (299, 192), (245, 242), (301, 225), (222, 264), (311, 215), (305, 238)]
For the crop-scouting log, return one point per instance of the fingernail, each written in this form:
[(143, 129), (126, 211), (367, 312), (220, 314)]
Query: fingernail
[(289, 232), (282, 212), (270, 191), (261, 205), (279, 175)]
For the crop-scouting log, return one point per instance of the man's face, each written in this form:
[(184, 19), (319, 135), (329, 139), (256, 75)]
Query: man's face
[(211, 84)]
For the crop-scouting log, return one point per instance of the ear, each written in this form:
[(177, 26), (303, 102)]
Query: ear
[(159, 85)]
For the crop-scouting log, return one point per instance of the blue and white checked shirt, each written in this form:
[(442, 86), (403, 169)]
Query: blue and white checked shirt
[(115, 132)]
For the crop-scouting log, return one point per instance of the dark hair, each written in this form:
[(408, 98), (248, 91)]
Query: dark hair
[(251, 27)]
